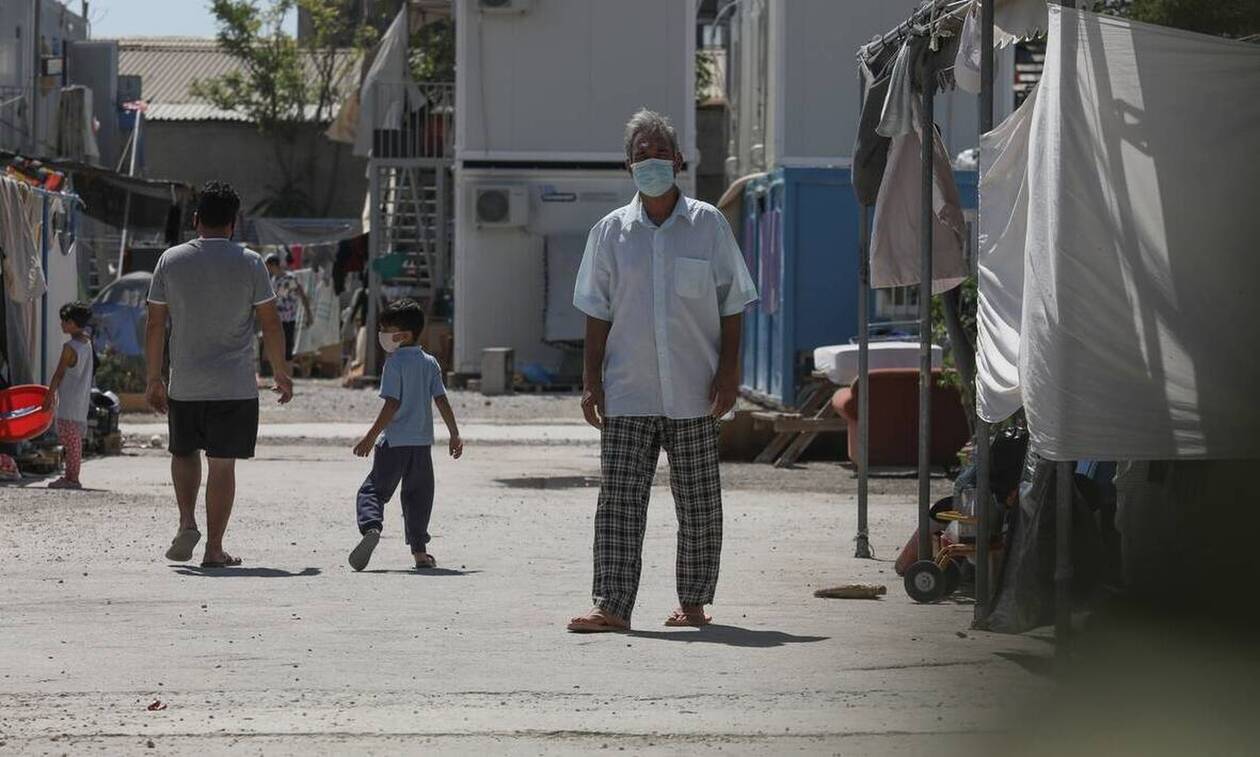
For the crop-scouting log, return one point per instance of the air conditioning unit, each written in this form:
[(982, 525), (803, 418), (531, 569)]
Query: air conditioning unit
[(501, 206), (504, 6)]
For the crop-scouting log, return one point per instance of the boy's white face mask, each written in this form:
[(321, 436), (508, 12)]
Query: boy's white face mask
[(391, 341)]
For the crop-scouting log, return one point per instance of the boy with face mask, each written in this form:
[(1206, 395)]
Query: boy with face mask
[(411, 384)]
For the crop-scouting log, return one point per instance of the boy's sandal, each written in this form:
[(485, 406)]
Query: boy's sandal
[(227, 562), (425, 561), (182, 545)]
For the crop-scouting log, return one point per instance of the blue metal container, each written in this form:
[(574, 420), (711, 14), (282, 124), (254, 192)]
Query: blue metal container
[(800, 240)]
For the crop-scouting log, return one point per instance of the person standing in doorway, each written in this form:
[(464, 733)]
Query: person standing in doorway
[(288, 294), (664, 286), (211, 289)]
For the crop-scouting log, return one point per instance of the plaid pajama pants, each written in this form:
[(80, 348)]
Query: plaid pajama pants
[(631, 447)]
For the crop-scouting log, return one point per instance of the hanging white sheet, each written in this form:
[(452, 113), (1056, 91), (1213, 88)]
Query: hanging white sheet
[(1137, 319)]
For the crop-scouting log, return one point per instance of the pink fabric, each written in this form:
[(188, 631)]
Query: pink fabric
[(71, 436)]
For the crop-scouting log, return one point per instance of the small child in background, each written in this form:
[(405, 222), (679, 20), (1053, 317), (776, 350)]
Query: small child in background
[(411, 384), (71, 390)]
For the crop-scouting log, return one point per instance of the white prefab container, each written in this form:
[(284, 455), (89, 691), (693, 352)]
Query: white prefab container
[(519, 238), (556, 80), (795, 87)]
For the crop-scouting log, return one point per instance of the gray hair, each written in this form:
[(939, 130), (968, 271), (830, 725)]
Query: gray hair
[(651, 123)]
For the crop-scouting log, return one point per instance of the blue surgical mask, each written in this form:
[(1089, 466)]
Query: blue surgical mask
[(653, 176)]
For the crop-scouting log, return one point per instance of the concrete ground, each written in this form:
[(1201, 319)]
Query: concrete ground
[(294, 653)]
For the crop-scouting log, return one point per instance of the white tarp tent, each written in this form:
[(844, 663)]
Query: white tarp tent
[(1116, 297)]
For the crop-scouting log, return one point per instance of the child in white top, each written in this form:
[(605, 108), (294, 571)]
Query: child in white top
[(71, 390)]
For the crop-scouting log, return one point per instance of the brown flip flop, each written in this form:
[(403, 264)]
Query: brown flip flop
[(681, 619), (597, 622)]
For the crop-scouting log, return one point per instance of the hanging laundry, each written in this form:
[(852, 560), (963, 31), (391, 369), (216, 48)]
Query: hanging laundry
[(895, 242), (1000, 262), (21, 218), (967, 61), (1132, 315)]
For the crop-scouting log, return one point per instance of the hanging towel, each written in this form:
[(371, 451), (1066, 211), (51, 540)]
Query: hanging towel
[(895, 243)]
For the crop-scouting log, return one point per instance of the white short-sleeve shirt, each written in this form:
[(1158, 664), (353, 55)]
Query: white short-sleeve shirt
[(665, 290)]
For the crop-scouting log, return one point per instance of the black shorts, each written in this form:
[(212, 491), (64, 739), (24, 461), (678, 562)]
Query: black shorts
[(225, 429), (290, 338)]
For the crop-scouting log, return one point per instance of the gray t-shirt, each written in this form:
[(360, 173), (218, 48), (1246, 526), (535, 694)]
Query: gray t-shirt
[(211, 287)]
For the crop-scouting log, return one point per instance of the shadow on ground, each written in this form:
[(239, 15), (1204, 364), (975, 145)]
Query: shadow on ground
[(731, 636)]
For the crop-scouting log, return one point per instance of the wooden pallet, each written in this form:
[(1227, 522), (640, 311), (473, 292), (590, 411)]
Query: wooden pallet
[(796, 431)]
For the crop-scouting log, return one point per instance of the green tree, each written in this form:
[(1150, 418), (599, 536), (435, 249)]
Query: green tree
[(283, 85), (1227, 18)]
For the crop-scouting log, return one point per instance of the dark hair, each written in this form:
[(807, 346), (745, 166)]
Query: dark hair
[(218, 204), (406, 315), (79, 313)]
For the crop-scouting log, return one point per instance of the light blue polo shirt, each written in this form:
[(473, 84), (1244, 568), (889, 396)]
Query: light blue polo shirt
[(414, 378)]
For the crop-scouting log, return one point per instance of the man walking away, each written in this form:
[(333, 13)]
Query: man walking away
[(288, 293), (211, 289), (664, 287)]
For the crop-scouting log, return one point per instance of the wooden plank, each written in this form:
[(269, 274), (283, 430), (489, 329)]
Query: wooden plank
[(810, 425), (802, 441), (771, 416), (818, 399)]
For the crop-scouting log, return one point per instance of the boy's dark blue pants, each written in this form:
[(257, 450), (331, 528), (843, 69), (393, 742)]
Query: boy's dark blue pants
[(412, 467)]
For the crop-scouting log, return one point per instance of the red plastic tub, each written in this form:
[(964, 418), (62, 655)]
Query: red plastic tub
[(21, 413)]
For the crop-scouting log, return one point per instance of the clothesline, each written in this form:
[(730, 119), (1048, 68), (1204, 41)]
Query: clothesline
[(922, 21), (71, 196)]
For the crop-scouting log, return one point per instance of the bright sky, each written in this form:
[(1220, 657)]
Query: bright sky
[(153, 18)]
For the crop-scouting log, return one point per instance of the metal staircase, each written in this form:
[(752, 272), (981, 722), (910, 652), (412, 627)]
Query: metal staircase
[(412, 215)]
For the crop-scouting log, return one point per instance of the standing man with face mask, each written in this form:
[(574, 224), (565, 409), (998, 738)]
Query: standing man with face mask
[(664, 286)]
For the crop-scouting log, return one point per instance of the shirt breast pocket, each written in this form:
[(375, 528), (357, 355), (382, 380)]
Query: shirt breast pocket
[(692, 277)]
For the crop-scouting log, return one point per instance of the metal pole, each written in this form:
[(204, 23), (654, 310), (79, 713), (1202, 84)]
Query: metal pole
[(1063, 555), (983, 494), (45, 228), (35, 77), (926, 136), (135, 150), (373, 278), (1063, 570), (862, 547)]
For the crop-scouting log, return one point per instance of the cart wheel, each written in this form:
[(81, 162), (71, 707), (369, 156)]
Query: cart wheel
[(925, 582), (953, 577)]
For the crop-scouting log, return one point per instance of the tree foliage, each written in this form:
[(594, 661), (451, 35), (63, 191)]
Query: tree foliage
[(283, 83), (1228, 18)]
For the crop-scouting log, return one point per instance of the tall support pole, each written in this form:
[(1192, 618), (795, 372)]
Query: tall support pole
[(862, 547), (377, 217), (36, 75), (926, 136), (126, 220), (1063, 569), (1063, 556), (863, 541), (984, 528), (45, 228)]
